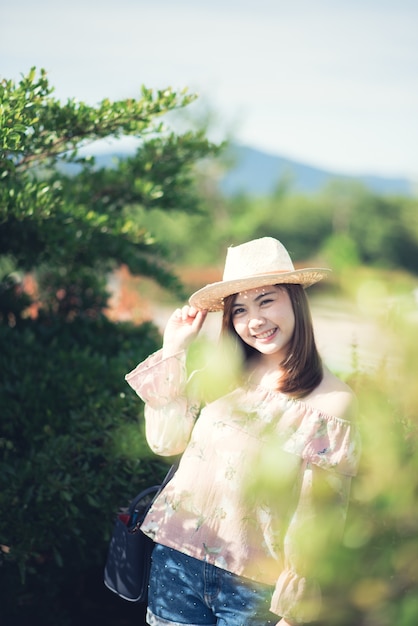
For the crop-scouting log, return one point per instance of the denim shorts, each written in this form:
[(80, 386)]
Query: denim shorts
[(187, 591)]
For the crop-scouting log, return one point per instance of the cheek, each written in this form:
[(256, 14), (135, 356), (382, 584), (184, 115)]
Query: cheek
[(291, 324), (286, 315), (239, 327), (288, 319)]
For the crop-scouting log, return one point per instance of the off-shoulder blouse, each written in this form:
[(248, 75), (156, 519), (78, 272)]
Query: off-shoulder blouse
[(216, 508)]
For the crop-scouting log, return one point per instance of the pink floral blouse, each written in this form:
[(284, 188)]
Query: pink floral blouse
[(214, 509)]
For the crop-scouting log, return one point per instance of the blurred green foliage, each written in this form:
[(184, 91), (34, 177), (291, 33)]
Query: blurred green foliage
[(344, 225), (372, 579)]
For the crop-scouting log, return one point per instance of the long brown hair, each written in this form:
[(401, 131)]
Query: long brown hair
[(302, 366)]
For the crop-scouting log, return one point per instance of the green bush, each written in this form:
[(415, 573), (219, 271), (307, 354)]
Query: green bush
[(372, 579), (72, 452)]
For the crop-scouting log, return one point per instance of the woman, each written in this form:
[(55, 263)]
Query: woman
[(263, 482)]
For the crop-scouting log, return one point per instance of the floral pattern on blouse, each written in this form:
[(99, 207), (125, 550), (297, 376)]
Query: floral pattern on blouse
[(208, 510)]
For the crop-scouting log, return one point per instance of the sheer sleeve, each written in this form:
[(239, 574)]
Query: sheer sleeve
[(328, 449), (316, 526), (169, 413)]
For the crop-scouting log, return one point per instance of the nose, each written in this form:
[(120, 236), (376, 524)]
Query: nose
[(255, 321)]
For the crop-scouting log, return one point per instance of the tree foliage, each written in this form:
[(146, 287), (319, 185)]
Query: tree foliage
[(72, 451), (72, 448), (58, 210)]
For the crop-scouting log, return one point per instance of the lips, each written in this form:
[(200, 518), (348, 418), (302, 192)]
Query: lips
[(266, 335)]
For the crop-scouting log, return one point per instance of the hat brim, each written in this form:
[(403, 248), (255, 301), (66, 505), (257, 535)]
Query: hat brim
[(211, 297)]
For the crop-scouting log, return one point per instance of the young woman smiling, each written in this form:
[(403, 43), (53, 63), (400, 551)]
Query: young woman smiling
[(229, 551)]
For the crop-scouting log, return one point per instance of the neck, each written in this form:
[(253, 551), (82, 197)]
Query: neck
[(265, 372)]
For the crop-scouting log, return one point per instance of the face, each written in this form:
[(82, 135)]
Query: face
[(264, 319)]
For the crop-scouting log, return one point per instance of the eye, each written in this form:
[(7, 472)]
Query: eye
[(239, 310), (266, 301)]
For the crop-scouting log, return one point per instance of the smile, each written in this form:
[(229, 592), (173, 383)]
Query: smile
[(266, 335)]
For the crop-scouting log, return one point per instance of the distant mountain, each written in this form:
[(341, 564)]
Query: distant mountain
[(259, 173)]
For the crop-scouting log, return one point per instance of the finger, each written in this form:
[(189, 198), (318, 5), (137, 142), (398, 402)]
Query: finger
[(193, 311), (176, 315), (187, 312), (199, 319)]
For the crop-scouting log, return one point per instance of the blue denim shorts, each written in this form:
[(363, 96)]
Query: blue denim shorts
[(189, 592)]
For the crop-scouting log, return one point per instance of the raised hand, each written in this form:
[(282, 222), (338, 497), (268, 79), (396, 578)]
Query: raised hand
[(182, 327)]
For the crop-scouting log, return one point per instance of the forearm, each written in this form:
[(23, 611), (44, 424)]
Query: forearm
[(168, 428), (169, 412)]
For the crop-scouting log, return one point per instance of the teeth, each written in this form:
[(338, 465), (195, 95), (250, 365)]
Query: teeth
[(265, 335)]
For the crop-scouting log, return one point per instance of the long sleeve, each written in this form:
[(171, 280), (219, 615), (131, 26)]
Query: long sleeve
[(169, 413), (316, 525)]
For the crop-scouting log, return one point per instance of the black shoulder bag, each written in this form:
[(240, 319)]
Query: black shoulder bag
[(128, 559)]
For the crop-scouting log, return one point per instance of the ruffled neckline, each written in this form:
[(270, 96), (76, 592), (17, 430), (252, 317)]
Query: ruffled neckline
[(297, 402), (325, 440)]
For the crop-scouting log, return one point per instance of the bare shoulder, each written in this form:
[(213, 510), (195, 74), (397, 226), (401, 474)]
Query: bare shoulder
[(334, 397)]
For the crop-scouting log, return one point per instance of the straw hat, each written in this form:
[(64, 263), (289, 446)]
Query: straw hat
[(257, 263)]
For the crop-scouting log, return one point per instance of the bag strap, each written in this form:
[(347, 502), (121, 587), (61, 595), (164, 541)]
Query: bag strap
[(155, 489), (143, 494)]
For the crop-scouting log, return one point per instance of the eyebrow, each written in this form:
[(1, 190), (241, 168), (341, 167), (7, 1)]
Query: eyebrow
[(262, 295)]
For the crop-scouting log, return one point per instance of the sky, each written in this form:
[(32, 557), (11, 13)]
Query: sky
[(331, 83)]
